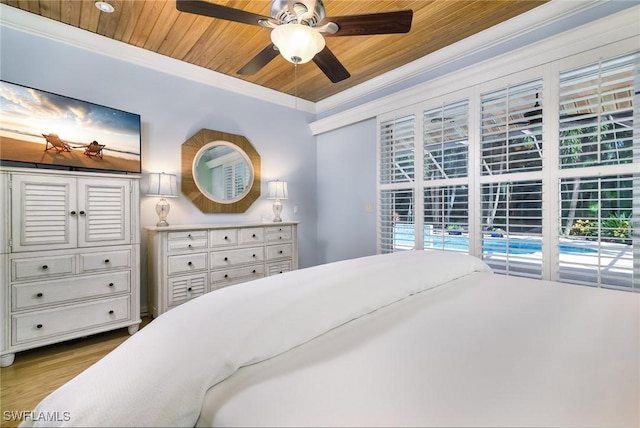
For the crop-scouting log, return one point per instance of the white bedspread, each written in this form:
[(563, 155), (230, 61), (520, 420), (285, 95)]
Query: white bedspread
[(484, 351), (159, 376)]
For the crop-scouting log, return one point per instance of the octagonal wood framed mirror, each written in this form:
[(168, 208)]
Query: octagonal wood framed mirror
[(220, 172)]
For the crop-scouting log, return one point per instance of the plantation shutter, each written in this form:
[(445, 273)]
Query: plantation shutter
[(597, 141), (596, 112), (596, 222), (511, 128), (396, 178), (446, 141), (229, 185), (512, 214), (446, 218), (446, 157)]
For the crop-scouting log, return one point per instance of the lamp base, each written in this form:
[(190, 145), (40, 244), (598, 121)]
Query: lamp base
[(162, 208), (277, 209)]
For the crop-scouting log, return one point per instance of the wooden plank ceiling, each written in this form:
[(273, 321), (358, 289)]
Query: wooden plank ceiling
[(225, 46)]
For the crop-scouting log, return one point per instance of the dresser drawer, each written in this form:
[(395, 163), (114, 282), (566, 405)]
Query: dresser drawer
[(187, 240), (279, 233), (183, 288), (278, 268), (38, 325), (252, 235), (186, 263), (115, 259), (222, 278), (187, 244), (35, 294), (223, 237), (236, 257), (279, 251), (187, 234), (41, 267)]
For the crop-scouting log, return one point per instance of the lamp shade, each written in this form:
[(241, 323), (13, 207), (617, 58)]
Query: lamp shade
[(296, 42), (161, 184), (277, 190)]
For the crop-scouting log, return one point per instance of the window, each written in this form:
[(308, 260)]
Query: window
[(446, 142), (596, 230), (512, 238), (511, 147), (511, 128), (596, 105), (446, 159), (543, 193), (397, 175), (236, 177), (446, 214), (596, 113)]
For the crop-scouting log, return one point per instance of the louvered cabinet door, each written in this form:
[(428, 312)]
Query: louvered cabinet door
[(43, 213), (104, 212)]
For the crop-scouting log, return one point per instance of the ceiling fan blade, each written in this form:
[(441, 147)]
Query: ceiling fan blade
[(260, 60), (330, 65), (213, 10), (374, 23)]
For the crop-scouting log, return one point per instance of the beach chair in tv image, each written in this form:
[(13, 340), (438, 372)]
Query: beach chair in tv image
[(94, 149), (56, 143)]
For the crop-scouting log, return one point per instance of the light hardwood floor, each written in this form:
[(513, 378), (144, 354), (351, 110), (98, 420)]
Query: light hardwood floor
[(37, 372)]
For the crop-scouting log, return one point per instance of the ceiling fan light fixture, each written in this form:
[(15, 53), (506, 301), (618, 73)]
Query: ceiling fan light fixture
[(296, 42)]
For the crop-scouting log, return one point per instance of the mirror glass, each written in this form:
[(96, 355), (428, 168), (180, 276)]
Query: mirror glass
[(223, 172)]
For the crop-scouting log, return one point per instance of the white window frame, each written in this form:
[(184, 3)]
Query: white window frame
[(550, 173)]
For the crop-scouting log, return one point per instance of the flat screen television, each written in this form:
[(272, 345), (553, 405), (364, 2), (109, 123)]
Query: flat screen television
[(40, 129)]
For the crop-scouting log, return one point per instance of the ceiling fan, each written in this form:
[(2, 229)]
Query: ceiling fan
[(534, 117), (297, 28)]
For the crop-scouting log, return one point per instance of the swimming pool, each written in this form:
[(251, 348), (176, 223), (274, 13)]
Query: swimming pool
[(404, 237)]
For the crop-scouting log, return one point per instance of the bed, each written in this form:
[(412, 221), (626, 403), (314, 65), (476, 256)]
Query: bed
[(417, 338)]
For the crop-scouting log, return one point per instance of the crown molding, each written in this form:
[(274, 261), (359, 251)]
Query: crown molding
[(616, 27), (501, 34), (30, 23)]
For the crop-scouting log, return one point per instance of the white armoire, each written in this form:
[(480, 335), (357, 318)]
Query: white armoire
[(70, 256)]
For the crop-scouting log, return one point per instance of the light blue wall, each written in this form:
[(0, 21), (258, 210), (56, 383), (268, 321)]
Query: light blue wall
[(347, 192), (172, 109)]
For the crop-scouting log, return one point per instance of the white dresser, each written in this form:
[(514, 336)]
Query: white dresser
[(186, 261), (70, 261)]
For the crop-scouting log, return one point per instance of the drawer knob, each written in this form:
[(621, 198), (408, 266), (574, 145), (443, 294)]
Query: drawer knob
[(111, 284), (82, 213), (39, 326), (226, 258), (73, 213), (226, 238), (279, 237), (189, 263), (226, 275), (253, 255), (189, 289), (189, 245), (253, 271), (39, 295), (280, 271), (253, 236), (280, 252), (189, 235), (106, 260), (45, 267), (111, 312)]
